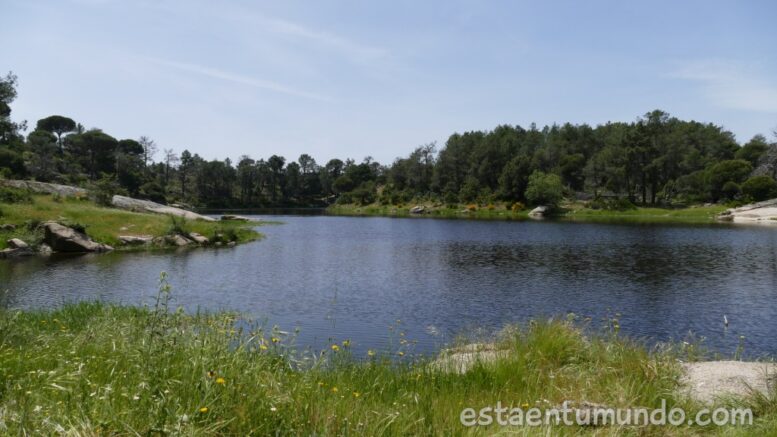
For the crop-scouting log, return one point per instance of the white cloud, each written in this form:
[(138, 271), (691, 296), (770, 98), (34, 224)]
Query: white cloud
[(731, 84), (354, 49), (237, 78)]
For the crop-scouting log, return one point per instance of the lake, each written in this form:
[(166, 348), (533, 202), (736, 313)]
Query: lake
[(368, 279)]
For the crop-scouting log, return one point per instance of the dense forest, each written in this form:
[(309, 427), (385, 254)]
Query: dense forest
[(656, 159)]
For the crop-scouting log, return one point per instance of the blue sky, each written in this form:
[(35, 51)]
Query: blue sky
[(357, 78)]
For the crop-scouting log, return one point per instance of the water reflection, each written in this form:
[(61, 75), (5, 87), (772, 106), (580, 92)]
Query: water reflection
[(341, 277)]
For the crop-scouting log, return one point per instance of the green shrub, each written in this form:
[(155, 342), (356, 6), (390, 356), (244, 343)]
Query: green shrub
[(177, 225), (760, 188), (14, 195), (619, 204), (224, 235), (730, 190), (103, 191), (544, 189), (344, 199), (153, 191)]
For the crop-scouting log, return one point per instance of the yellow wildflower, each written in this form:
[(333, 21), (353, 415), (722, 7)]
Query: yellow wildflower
[(335, 347), (401, 354), (356, 394), (346, 343), (203, 409), (371, 353), (275, 339), (263, 347), (334, 389), (220, 381)]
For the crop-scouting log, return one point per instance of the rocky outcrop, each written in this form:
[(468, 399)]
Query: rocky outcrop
[(761, 212), (15, 243), (237, 218), (418, 209), (64, 239), (177, 240), (16, 248), (197, 238), (46, 188), (121, 202), (135, 240), (137, 205), (539, 212)]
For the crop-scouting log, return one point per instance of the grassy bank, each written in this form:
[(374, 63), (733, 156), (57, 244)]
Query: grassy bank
[(495, 211), (570, 211), (94, 369), (104, 224)]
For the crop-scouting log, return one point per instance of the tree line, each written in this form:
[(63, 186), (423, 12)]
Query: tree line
[(656, 159)]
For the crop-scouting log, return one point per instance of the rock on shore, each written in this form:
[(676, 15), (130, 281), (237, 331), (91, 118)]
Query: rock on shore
[(539, 212), (64, 239), (761, 212)]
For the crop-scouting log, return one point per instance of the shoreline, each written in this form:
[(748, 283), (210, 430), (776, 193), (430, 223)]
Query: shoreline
[(569, 212), (127, 356), (102, 228)]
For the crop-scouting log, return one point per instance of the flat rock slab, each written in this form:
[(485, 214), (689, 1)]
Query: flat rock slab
[(239, 218), (461, 359), (46, 188), (708, 380), (761, 212), (137, 205)]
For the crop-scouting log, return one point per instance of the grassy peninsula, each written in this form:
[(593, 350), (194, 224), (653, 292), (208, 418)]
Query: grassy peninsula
[(24, 212), (97, 369)]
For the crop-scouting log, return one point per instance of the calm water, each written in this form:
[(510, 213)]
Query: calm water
[(342, 277)]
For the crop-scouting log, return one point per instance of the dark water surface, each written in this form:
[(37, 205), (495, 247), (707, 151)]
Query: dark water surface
[(353, 278)]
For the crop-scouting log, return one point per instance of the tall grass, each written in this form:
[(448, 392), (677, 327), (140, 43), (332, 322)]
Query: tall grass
[(98, 369)]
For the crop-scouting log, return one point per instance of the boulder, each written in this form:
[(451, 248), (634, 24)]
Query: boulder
[(16, 252), (64, 239), (238, 218), (198, 238), (539, 212), (418, 209), (177, 240), (135, 240), (15, 243)]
